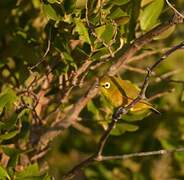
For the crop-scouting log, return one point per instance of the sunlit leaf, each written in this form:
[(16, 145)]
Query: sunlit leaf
[(105, 32), (145, 2), (119, 2), (8, 96), (117, 13), (80, 4), (8, 135), (3, 173), (50, 12), (150, 14), (29, 173), (166, 33), (82, 30)]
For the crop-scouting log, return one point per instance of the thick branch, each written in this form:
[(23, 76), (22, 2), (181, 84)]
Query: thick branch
[(117, 115), (72, 115)]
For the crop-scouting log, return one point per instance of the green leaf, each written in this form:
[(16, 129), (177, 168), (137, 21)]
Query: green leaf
[(3, 174), (136, 116), (29, 173), (117, 13), (80, 4), (93, 109), (166, 33), (11, 122), (67, 57), (99, 53), (2, 125), (182, 96), (82, 30), (13, 153), (9, 135), (134, 14), (122, 20), (145, 2), (149, 16), (8, 96), (122, 128), (23, 113), (119, 2), (50, 12), (52, 1), (105, 32), (69, 5)]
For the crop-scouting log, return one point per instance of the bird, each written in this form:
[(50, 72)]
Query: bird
[(121, 92)]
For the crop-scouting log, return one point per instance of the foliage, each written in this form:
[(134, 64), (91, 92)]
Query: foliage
[(51, 52)]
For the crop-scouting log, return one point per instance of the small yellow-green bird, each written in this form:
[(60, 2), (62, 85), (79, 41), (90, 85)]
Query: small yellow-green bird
[(121, 92)]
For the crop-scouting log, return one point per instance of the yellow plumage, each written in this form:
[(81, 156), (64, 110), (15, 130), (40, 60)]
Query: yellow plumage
[(121, 92)]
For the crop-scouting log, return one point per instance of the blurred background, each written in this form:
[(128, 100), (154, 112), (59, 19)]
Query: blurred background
[(62, 36)]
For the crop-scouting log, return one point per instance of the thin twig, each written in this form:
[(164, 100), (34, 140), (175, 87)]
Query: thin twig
[(166, 75), (97, 156), (160, 94), (72, 115), (45, 54), (174, 9), (142, 154), (134, 69), (147, 54)]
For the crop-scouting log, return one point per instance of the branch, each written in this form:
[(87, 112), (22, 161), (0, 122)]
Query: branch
[(160, 94), (73, 114), (142, 154), (42, 59), (92, 159), (174, 9), (97, 156)]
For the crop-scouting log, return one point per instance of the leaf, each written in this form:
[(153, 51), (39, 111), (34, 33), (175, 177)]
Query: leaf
[(119, 2), (13, 153), (23, 113), (136, 116), (82, 30), (119, 16), (93, 109), (80, 4), (3, 174), (52, 1), (145, 2), (29, 173), (105, 32), (117, 13), (122, 128), (69, 5), (99, 53), (150, 14), (134, 14), (11, 122), (122, 20), (50, 12), (7, 97), (166, 33), (182, 95), (9, 135)]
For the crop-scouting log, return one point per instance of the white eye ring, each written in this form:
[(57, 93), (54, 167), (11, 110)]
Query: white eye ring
[(107, 85)]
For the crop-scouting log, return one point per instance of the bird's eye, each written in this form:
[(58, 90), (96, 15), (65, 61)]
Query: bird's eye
[(107, 85)]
